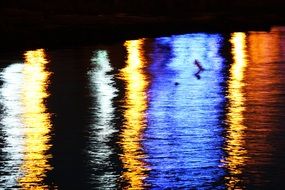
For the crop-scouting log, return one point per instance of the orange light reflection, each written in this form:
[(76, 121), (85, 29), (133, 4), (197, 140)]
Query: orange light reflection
[(36, 121), (136, 105)]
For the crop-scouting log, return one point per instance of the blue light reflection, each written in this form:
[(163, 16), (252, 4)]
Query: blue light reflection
[(184, 136)]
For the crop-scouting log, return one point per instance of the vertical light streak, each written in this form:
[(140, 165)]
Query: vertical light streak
[(264, 92), (36, 121), (12, 126), (105, 92), (235, 143), (102, 88), (136, 105)]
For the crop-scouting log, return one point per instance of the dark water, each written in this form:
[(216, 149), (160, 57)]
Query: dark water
[(140, 115)]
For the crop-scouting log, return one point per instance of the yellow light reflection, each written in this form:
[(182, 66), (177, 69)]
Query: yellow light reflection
[(235, 143), (36, 121), (136, 105)]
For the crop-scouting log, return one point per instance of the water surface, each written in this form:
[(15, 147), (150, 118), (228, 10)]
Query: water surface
[(141, 115)]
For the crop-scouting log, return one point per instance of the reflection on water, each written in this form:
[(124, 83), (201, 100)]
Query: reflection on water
[(265, 78), (102, 128), (235, 142), (35, 120), (148, 121), (133, 128), (183, 139), (26, 120), (12, 128)]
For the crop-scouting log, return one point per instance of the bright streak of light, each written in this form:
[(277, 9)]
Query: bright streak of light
[(102, 128), (36, 121), (136, 105), (235, 143)]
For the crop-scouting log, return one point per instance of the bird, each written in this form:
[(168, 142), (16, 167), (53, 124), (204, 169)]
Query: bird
[(198, 64)]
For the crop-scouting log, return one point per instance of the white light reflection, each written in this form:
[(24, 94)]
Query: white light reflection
[(103, 91), (25, 123), (12, 125), (183, 140)]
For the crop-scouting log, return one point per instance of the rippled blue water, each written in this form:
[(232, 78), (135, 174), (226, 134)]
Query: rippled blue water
[(183, 139)]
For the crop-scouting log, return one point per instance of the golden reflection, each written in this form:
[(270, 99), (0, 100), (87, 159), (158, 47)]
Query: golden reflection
[(36, 121), (263, 95), (264, 47), (235, 143), (136, 105)]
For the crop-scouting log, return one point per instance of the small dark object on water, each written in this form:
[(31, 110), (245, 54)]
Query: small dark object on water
[(197, 75), (198, 64), (200, 67), (176, 83)]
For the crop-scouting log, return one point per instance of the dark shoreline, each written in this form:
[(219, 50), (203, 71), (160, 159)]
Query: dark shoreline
[(38, 31)]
